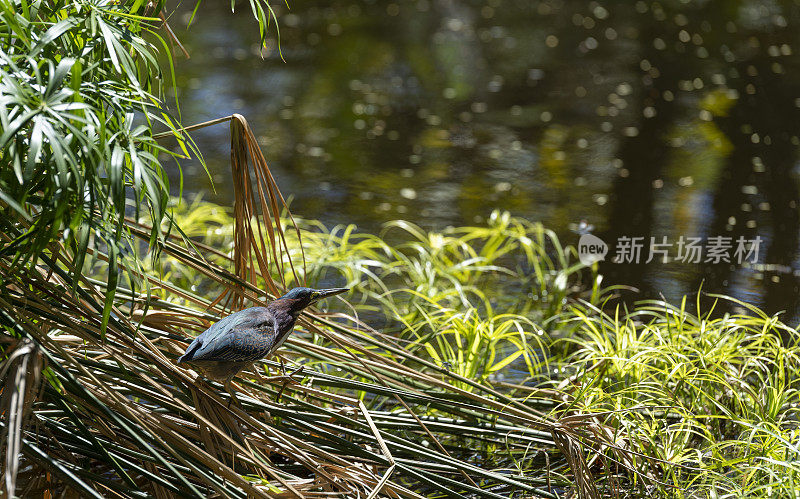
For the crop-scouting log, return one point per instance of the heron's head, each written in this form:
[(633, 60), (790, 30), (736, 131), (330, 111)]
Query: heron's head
[(300, 298)]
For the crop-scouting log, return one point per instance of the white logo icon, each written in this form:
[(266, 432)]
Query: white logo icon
[(591, 249)]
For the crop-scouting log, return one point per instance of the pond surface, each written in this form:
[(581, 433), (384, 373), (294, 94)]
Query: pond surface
[(642, 119)]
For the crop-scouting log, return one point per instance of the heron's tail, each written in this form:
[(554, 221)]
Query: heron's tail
[(194, 347)]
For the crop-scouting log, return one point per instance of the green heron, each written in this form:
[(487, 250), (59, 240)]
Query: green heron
[(244, 337)]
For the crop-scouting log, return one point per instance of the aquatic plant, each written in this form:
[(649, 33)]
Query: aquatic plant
[(709, 400)]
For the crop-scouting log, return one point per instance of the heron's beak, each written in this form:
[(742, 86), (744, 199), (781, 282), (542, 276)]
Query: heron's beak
[(319, 294)]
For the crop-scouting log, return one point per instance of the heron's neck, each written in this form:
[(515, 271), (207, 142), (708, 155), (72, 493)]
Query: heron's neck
[(284, 314)]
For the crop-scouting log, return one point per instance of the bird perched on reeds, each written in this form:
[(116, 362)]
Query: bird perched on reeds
[(244, 337)]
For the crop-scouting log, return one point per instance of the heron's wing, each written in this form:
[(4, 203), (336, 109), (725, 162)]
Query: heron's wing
[(243, 336)]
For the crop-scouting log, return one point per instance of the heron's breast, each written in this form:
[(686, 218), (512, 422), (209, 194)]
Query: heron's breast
[(281, 338)]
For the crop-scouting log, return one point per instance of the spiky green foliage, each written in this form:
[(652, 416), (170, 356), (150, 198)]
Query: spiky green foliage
[(80, 91), (711, 399)]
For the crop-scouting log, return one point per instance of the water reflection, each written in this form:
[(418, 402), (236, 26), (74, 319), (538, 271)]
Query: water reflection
[(643, 118)]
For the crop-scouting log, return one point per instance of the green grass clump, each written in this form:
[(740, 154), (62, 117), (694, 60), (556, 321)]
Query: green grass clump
[(474, 345), (711, 399)]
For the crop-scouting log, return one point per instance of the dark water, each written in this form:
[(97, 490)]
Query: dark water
[(670, 119)]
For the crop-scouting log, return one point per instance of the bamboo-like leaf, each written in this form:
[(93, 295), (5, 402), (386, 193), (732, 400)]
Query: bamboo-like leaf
[(55, 31)]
